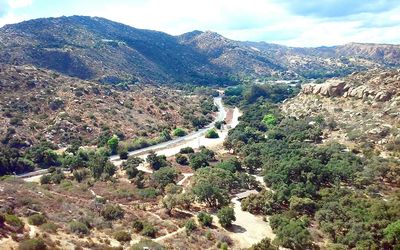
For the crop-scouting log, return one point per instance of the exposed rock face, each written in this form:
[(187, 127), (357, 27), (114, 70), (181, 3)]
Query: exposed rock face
[(379, 88), (364, 109)]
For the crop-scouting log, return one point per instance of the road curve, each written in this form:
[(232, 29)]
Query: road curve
[(221, 114)]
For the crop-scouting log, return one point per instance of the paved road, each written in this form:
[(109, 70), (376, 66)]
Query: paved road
[(190, 137), (221, 114)]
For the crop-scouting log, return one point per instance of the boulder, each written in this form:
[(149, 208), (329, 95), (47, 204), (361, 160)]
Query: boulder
[(383, 96)]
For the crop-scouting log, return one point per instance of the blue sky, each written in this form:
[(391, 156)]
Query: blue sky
[(289, 22)]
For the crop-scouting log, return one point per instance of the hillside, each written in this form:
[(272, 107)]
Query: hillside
[(39, 104), (93, 48), (362, 110)]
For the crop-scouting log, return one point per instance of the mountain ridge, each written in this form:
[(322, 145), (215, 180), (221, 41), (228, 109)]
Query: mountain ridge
[(95, 48)]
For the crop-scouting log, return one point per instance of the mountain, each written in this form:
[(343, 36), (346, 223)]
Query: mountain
[(93, 48), (362, 110), (39, 104)]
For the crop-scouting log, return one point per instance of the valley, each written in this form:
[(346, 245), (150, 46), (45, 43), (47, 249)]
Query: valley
[(114, 137)]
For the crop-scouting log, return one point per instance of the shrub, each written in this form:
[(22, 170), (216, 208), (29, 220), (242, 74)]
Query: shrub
[(49, 227), (123, 153), (14, 221), (112, 212), (226, 215), (181, 159), (148, 193), (32, 244), (212, 134), (186, 150), (78, 228), (138, 225), (81, 174), (149, 231), (36, 219), (147, 244), (122, 236), (132, 172), (190, 226), (218, 125), (179, 132), (2, 219), (205, 219), (45, 179)]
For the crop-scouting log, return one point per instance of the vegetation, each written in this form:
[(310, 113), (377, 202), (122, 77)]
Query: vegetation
[(32, 244), (112, 212), (181, 159), (327, 185), (179, 132), (190, 226), (226, 216), (122, 236), (186, 150), (156, 161), (212, 134), (205, 219), (36, 219), (78, 228)]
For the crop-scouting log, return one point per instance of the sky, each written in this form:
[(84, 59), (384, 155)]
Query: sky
[(301, 23)]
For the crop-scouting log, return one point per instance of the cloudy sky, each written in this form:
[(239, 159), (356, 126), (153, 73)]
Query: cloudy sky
[(289, 22)]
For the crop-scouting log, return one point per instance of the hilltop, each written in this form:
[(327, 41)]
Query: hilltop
[(94, 48)]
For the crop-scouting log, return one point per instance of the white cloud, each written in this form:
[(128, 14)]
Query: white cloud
[(256, 20), (15, 4)]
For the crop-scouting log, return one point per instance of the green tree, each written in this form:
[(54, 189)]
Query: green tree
[(179, 132), (226, 216), (392, 232), (164, 176), (264, 244), (113, 144), (212, 134), (198, 160), (210, 194), (156, 161), (181, 159), (269, 120), (205, 219)]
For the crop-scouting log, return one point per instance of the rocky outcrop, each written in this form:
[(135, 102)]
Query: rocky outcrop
[(379, 87)]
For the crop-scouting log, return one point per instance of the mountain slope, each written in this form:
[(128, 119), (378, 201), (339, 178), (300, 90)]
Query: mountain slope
[(96, 48), (93, 48)]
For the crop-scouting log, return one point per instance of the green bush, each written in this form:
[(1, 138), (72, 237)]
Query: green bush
[(138, 225), (149, 231), (49, 227), (112, 212), (45, 179), (186, 150), (212, 134), (205, 219), (122, 236), (147, 193), (36, 219), (181, 159), (78, 228), (179, 132), (226, 215), (14, 221), (190, 226), (32, 244), (123, 153)]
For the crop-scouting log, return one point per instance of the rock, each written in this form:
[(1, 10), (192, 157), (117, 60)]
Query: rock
[(382, 96)]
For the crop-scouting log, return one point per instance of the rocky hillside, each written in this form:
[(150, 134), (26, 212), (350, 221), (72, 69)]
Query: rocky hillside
[(39, 104), (362, 109), (94, 48)]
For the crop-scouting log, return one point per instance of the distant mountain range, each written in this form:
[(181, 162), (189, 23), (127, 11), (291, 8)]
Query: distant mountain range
[(93, 48)]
